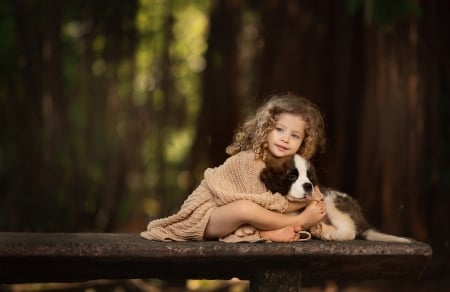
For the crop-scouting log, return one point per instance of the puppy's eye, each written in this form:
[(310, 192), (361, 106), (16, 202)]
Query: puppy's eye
[(293, 175)]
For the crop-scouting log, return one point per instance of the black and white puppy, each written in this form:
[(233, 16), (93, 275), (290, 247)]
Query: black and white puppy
[(345, 220)]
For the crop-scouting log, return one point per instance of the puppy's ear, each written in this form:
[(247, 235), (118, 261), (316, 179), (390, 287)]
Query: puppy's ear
[(276, 177), (277, 162), (269, 177), (312, 174)]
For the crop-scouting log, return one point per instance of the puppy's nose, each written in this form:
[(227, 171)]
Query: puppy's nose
[(308, 187)]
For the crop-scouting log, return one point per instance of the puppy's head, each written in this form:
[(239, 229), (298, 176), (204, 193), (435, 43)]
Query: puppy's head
[(293, 177)]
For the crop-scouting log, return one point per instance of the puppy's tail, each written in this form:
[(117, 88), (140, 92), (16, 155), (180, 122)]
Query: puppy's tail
[(373, 235)]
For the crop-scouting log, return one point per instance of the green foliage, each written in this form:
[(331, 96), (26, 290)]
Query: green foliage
[(383, 12), (172, 44), (119, 133)]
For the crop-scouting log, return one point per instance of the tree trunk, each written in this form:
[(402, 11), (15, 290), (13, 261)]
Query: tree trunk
[(392, 129), (220, 109), (435, 68)]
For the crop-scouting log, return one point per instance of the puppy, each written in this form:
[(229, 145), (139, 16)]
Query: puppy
[(345, 220)]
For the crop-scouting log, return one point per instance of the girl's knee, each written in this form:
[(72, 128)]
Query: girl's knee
[(245, 209)]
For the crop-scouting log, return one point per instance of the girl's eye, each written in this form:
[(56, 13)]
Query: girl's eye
[(295, 136), (279, 129)]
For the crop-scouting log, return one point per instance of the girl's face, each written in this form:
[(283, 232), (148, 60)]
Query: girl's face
[(287, 136)]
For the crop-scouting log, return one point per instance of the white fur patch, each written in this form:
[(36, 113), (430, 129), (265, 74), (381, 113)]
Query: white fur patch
[(297, 190), (345, 226), (374, 235)]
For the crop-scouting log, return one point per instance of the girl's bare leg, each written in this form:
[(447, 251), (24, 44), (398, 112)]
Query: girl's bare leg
[(312, 215), (225, 219)]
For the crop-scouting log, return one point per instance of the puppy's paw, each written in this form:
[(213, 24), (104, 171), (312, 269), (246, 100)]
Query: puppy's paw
[(330, 236), (323, 231), (339, 235), (316, 230)]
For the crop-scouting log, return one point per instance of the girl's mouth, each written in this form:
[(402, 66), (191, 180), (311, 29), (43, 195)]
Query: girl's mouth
[(282, 148)]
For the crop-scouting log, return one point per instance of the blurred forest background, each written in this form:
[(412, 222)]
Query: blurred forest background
[(111, 110)]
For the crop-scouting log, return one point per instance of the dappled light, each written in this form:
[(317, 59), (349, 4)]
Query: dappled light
[(110, 112)]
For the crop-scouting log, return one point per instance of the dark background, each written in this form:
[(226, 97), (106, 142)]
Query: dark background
[(111, 110)]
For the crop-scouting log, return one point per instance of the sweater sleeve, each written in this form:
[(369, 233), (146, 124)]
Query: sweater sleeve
[(238, 179)]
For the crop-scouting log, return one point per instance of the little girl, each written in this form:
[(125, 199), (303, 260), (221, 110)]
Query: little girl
[(232, 194)]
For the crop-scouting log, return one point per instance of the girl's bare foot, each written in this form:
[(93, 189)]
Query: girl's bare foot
[(312, 214), (284, 234)]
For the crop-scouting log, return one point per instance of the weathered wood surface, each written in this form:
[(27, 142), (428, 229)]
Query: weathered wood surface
[(70, 257)]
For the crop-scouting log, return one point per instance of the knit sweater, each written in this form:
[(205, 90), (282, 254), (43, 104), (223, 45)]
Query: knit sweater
[(236, 179)]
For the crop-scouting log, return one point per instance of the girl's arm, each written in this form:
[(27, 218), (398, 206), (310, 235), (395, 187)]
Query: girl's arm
[(238, 179), (267, 200), (295, 205)]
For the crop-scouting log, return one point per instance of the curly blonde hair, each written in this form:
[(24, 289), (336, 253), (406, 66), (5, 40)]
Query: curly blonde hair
[(253, 133)]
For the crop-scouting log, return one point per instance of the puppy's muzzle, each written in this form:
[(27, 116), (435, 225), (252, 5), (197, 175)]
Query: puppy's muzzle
[(308, 188)]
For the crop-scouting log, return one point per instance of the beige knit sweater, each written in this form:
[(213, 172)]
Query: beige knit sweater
[(236, 179)]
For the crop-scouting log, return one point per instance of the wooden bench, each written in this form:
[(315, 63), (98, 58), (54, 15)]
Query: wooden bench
[(73, 257)]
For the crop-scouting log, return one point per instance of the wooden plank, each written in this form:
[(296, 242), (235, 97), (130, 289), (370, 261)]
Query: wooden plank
[(71, 257)]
